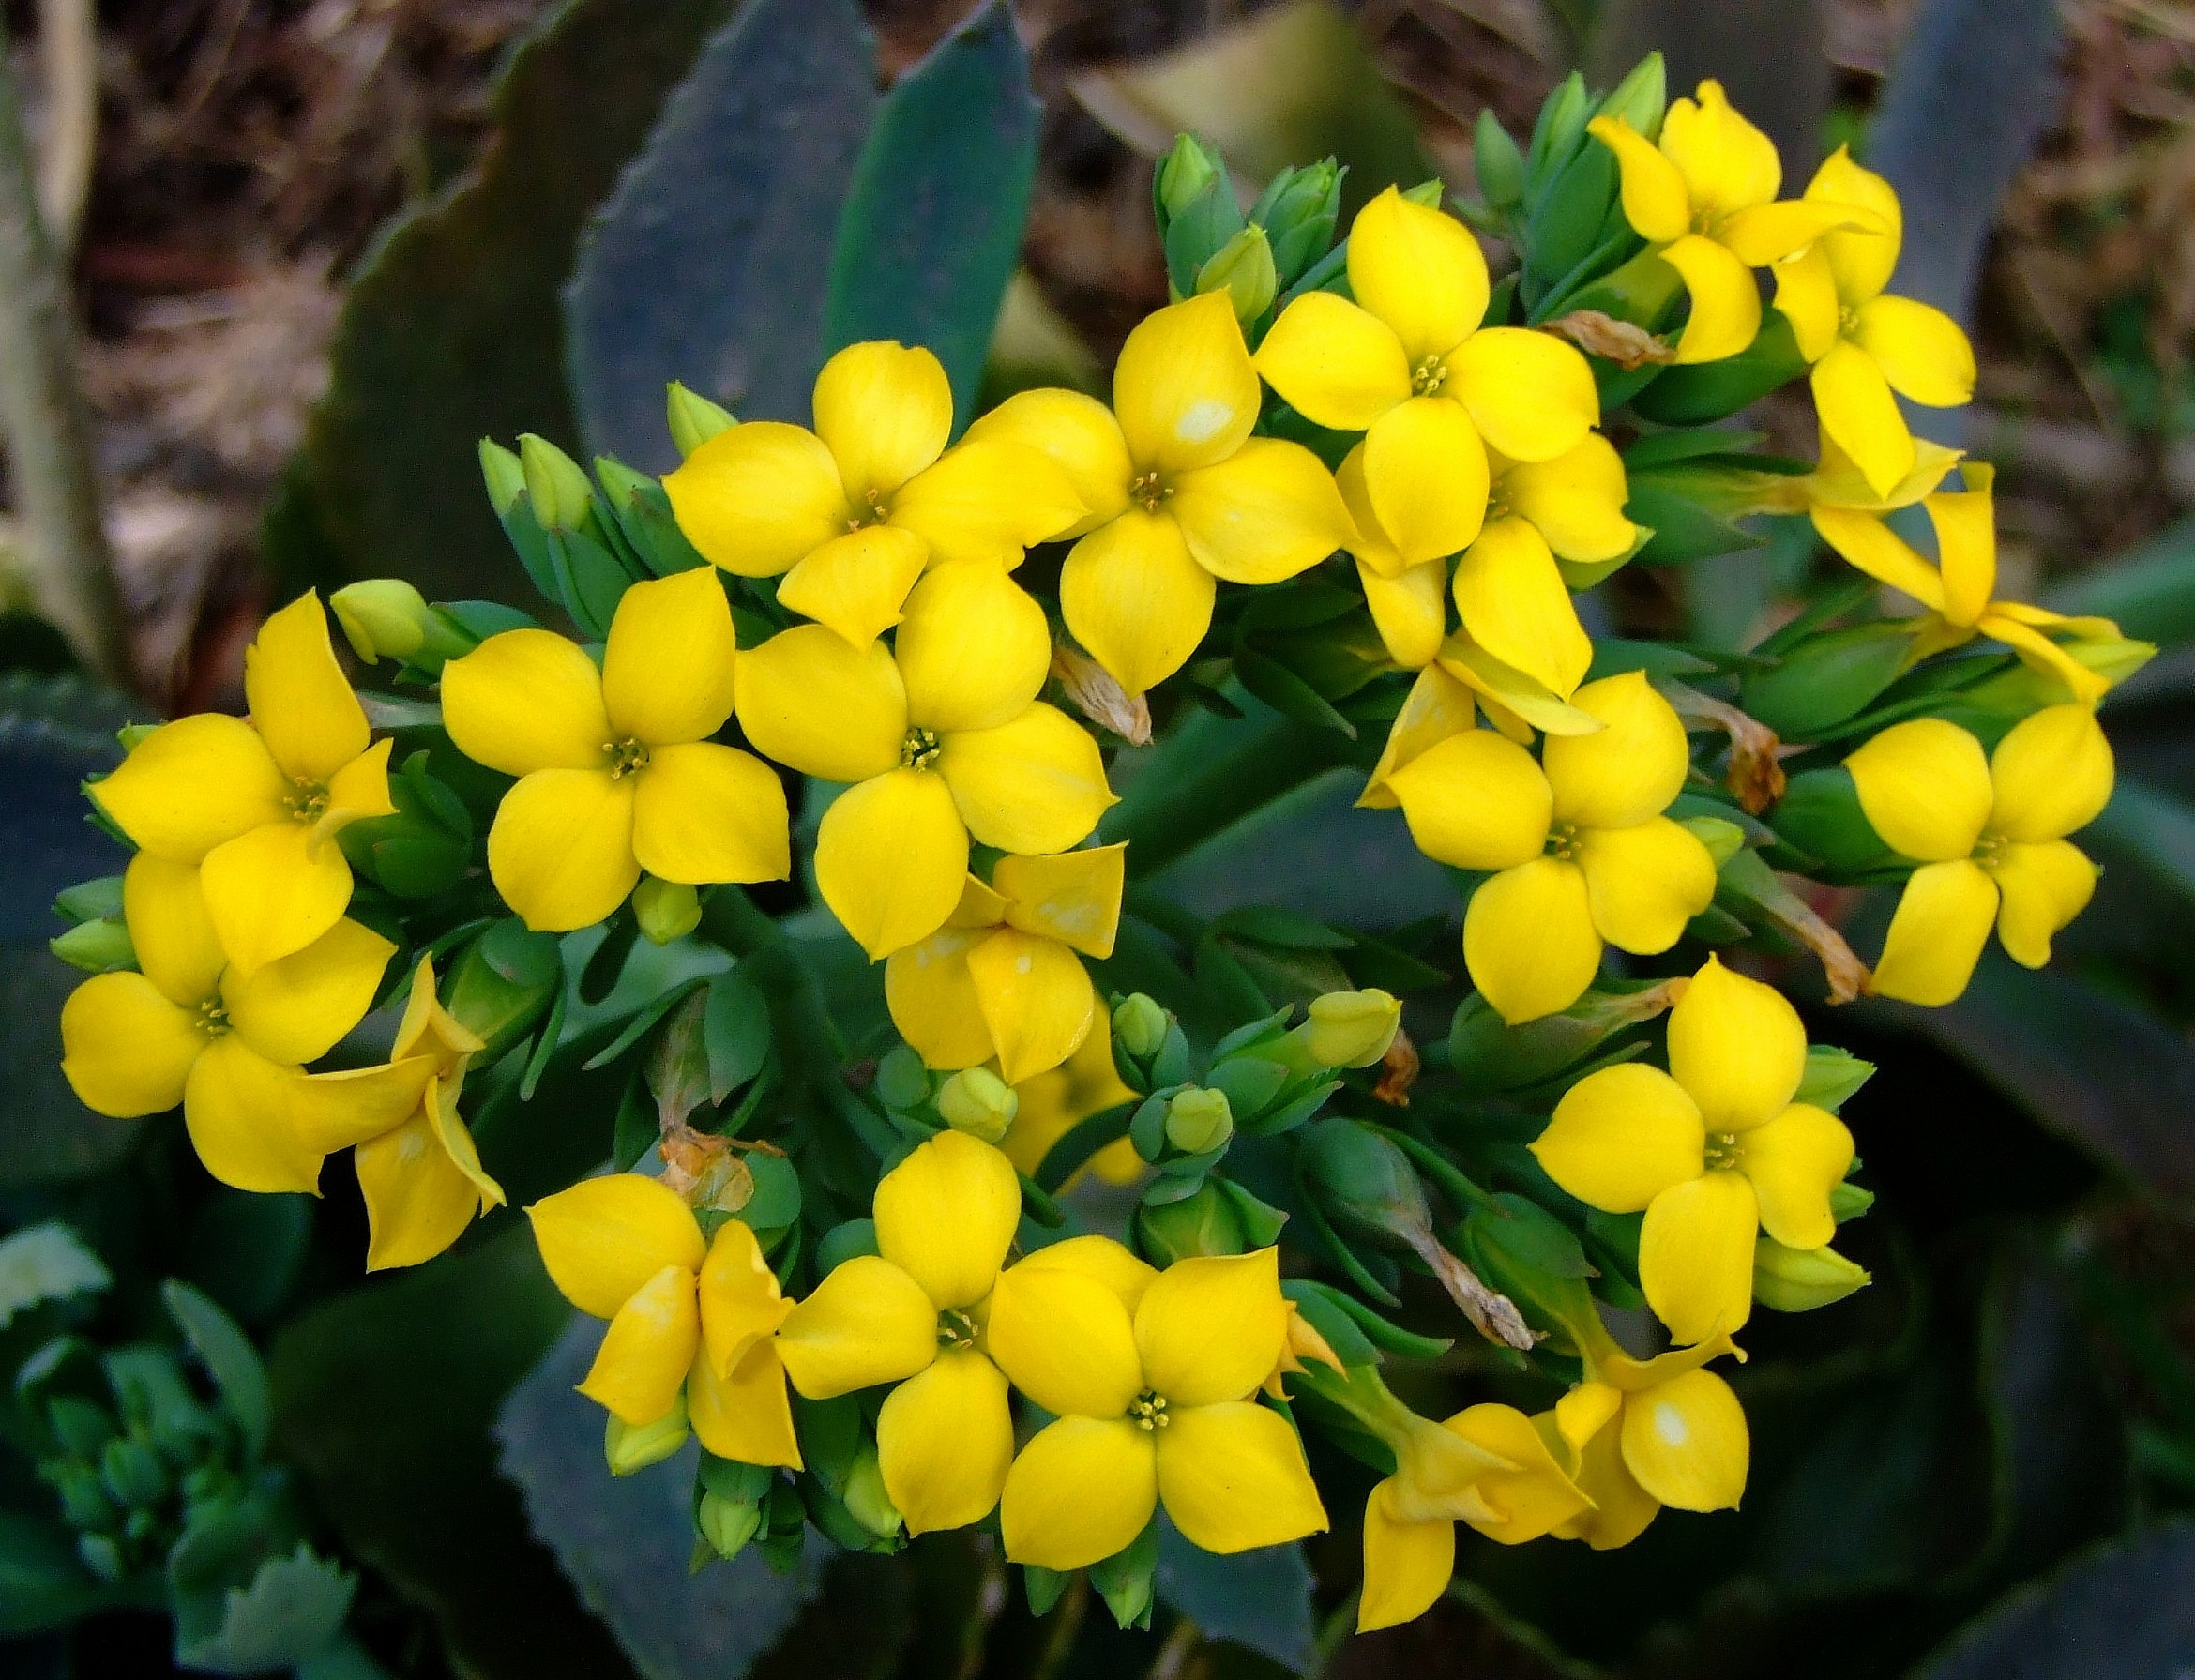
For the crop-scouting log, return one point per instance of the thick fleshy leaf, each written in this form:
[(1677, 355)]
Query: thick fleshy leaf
[(667, 670), (1646, 883), (1575, 500), (1073, 896), (1036, 784), (1037, 1001), (1334, 362), (2044, 885), (1066, 1340), (1426, 472), (974, 650), (1728, 164), (1937, 934), (236, 1106), (944, 1441), (2050, 775), (890, 855), (746, 1413), (1657, 202), (125, 1050), (1136, 600), (1696, 1255), (1685, 1442), (1513, 603), (856, 584), (302, 707), (648, 1348), (417, 1201), (885, 412), (1265, 513), (1738, 1047), (561, 848), (274, 891), (526, 700), (1622, 1136), (1080, 1491), (1210, 1329), (932, 997), (1805, 294), (1921, 351), (810, 700), (867, 1322), (986, 503), (1081, 436), (164, 909), (1794, 1162), (1476, 800), (1626, 772), (1530, 394), (1421, 271), (740, 1301), (1529, 1499), (1184, 388), (1925, 788), (757, 497), (297, 1008), (702, 812), (1529, 940), (1853, 400), (604, 1237), (1233, 1477), (192, 784), (1726, 303), (1406, 1565), (945, 1215)]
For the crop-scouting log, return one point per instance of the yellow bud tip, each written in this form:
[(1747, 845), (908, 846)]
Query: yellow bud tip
[(667, 910), (1199, 1120), (694, 419), (380, 617), (629, 1447), (976, 1101), (1139, 1024), (1352, 1029)]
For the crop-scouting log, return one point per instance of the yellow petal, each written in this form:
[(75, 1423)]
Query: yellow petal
[(1334, 362), (1869, 544), (1529, 940), (1530, 394), (1136, 600), (1266, 512), (300, 704), (1863, 261), (1738, 1048), (1098, 1258), (273, 891), (417, 1202), (811, 700), (1232, 1477), (526, 700), (1436, 707), (1410, 613), (164, 909), (1937, 934), (1066, 1340), (1646, 883), (125, 1050), (1374, 551), (1925, 788), (1419, 270), (856, 584), (1921, 351), (867, 1322), (974, 650), (604, 1237), (356, 791), (702, 812), (1514, 604), (931, 998), (649, 1348), (1622, 1510), (1184, 388), (1082, 438), (1856, 406), (1626, 772), (1426, 472), (192, 785), (945, 1440), (889, 858), (756, 497), (2044, 885), (1529, 1499), (1657, 202), (1966, 544), (1036, 999), (1080, 1491), (561, 849), (333, 1110), (1726, 302), (236, 1106), (1576, 499), (1476, 800), (296, 1010), (2010, 624), (741, 1304), (1622, 1136), (2050, 775), (885, 412), (1794, 1162), (986, 503), (1073, 896), (1696, 1255), (1036, 784), (1406, 1565), (1515, 705), (1767, 234), (947, 1215), (1806, 294), (1685, 1443), (1210, 1329), (746, 1413), (1726, 163)]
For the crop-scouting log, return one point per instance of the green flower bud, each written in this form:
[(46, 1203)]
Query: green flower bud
[(555, 484), (1299, 211), (1724, 839), (1139, 1025), (503, 474), (619, 482), (84, 1501), (1204, 1223), (630, 1446), (667, 910), (1499, 163), (976, 1101), (382, 618), (694, 419), (727, 1525), (1352, 1029), (1800, 1279), (901, 1081), (133, 1473), (1243, 268), (1184, 173), (865, 1498), (102, 1555), (1199, 1120), (1641, 96), (132, 736), (503, 982), (98, 947)]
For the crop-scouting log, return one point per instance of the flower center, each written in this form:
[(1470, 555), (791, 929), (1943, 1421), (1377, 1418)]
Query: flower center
[(211, 1018), (1848, 322), (1988, 850), (870, 510), (1147, 491), (1723, 1151), (955, 1329), (306, 801), (1562, 841), (627, 757), (919, 750), (1149, 1410), (1428, 376)]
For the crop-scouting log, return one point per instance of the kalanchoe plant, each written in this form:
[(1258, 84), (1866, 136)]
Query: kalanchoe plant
[(1354, 489)]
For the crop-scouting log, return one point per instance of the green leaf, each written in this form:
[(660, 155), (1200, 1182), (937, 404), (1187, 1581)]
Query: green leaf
[(294, 1607), (41, 1584), (229, 1358), (1704, 392), (46, 1262), (2152, 830), (735, 1028), (1258, 1600)]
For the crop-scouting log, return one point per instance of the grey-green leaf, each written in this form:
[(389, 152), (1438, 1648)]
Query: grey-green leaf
[(229, 1356), (293, 1609)]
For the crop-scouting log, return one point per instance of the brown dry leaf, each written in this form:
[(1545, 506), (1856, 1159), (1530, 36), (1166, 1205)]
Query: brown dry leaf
[(1618, 342)]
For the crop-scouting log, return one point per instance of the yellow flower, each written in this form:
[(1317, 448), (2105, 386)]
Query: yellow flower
[(1989, 835), (1704, 199), (1179, 493), (1956, 590), (1714, 1151), (1641, 1434), (1000, 981), (851, 512), (258, 804), (688, 1317), (1053, 1103), (1579, 850), (1408, 1561), (910, 1314), (230, 1047), (1865, 345), (940, 735), (1151, 1380), (616, 772), (1409, 365)]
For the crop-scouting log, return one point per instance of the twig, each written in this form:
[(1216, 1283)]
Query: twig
[(68, 52)]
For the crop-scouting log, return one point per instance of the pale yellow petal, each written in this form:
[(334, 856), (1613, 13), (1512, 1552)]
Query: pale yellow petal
[(1082, 438), (1726, 301), (1080, 1491), (757, 497), (1184, 388), (192, 785), (1696, 1255), (1925, 788), (1100, 1258), (1629, 770), (1064, 1339), (1530, 394), (931, 998), (1535, 1497), (867, 1322), (889, 858), (1265, 513), (1421, 271), (1657, 202), (986, 503), (856, 584), (125, 1050), (1426, 472), (273, 891), (1476, 800), (1036, 784), (1622, 1136), (1210, 1329), (1375, 551), (333, 1110), (667, 671), (945, 1440), (1765, 234), (1529, 940), (1856, 406), (1436, 707), (1738, 1047), (1921, 351), (813, 701), (1646, 883), (236, 1106), (296, 1010), (1937, 934), (1576, 499), (561, 848), (885, 412), (947, 1215), (604, 1237), (746, 1413), (1136, 600), (703, 813), (1792, 1163), (1233, 1477), (2050, 775), (649, 1347), (2043, 886), (1513, 603), (1622, 1510), (1334, 362), (1407, 1566), (1966, 543), (526, 700), (1686, 1445), (164, 909), (974, 650)]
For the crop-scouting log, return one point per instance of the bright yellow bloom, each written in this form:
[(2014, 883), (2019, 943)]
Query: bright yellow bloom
[(1576, 842), (1865, 345), (191, 1028), (1409, 365), (1180, 494), (616, 771), (1151, 1381), (1001, 980), (258, 804), (910, 1314), (940, 735), (853, 512), (689, 1317), (1704, 200), (1989, 835), (1714, 1151), (1053, 1104), (1956, 590), (1641, 1434)]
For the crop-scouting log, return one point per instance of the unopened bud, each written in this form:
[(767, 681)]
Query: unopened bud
[(504, 475), (1199, 1120), (382, 618), (1800, 1279), (1641, 96), (727, 1525), (694, 419), (1184, 173), (502, 983), (555, 484), (1243, 268), (97, 947), (1499, 163), (1352, 1029), (1299, 211), (619, 482), (1139, 1024), (865, 1500), (976, 1101), (667, 910), (630, 1446), (1204, 1223)]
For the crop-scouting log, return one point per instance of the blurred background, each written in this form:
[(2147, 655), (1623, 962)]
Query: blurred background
[(316, 250)]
